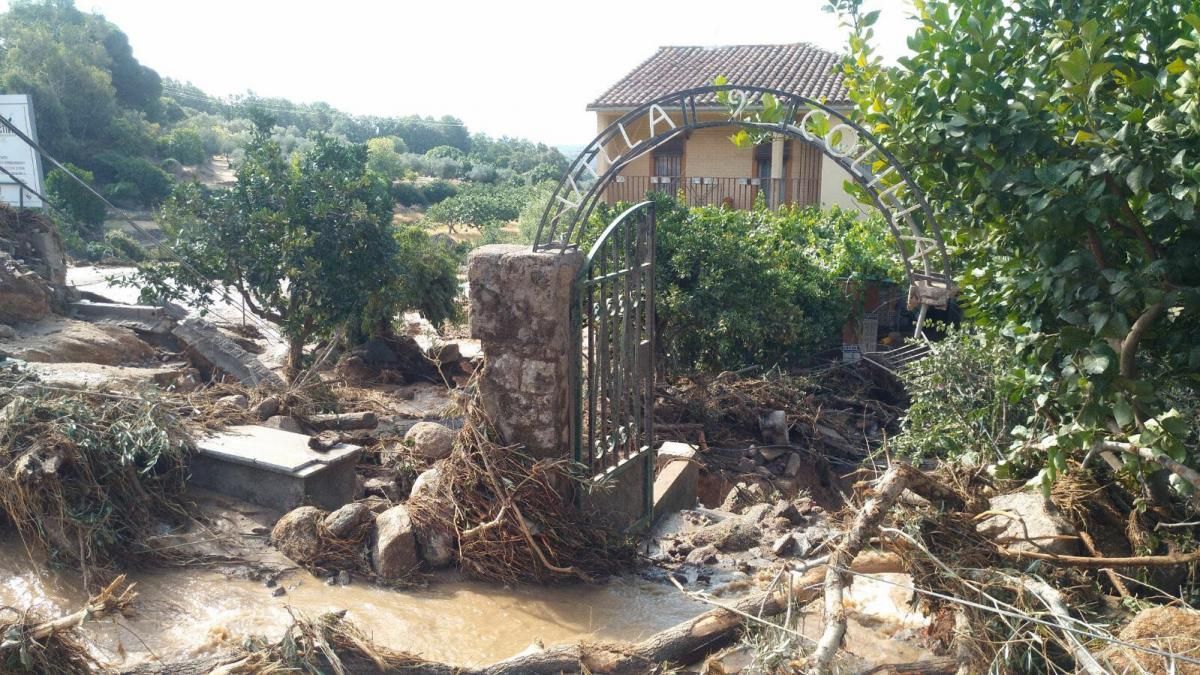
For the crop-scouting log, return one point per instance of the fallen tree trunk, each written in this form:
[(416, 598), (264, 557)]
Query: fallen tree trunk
[(115, 598)]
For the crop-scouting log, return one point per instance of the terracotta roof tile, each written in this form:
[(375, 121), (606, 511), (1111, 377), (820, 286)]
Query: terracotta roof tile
[(800, 68)]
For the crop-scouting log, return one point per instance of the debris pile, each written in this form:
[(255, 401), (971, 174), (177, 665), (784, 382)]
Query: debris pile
[(511, 516), (87, 477), (32, 644), (32, 266)]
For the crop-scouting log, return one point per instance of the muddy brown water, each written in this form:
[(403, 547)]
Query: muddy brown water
[(191, 612)]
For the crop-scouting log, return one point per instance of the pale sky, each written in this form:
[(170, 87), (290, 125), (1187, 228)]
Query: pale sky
[(520, 68)]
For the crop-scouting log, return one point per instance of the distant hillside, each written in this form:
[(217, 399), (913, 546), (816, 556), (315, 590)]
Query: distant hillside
[(133, 132)]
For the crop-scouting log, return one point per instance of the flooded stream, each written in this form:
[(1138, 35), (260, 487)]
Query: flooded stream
[(193, 612)]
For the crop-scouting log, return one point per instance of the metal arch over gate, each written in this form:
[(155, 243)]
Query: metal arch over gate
[(874, 168), (613, 310), (612, 318)]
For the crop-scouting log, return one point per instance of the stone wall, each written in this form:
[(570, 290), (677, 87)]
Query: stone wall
[(520, 312)]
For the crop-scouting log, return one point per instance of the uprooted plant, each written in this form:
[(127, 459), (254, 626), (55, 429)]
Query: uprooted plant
[(512, 515)]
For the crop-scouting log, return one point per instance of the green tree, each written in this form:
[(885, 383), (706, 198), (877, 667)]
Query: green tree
[(185, 145), (85, 209), (1060, 145), (307, 244), (383, 156)]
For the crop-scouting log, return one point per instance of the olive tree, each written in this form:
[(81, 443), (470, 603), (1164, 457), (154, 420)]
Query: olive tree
[(1060, 145), (306, 243)]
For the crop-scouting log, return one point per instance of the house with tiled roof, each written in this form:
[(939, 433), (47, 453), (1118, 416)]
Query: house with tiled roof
[(704, 164)]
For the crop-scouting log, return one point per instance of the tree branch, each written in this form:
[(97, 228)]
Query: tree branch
[(1129, 345)]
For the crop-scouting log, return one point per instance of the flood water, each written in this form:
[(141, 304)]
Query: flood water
[(192, 612)]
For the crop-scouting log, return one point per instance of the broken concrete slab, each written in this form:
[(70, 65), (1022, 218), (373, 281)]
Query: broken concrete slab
[(207, 344), (275, 468), (157, 320)]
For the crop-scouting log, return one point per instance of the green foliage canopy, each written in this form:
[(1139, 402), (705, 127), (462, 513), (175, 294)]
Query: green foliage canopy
[(307, 244), (758, 287), (1060, 145)]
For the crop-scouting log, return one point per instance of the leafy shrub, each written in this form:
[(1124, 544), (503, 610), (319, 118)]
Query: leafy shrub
[(966, 400), (84, 208), (122, 247), (438, 191), (384, 156), (140, 181), (483, 173), (430, 280), (407, 194), (480, 205), (446, 152), (531, 213), (443, 167), (185, 145), (737, 288)]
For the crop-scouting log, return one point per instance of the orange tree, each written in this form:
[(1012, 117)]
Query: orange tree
[(1060, 144)]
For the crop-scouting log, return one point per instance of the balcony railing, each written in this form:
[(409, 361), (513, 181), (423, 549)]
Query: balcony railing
[(737, 193)]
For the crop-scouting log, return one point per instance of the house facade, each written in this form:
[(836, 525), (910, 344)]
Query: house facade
[(704, 165)]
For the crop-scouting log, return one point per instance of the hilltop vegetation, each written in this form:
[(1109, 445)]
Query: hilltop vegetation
[(137, 134)]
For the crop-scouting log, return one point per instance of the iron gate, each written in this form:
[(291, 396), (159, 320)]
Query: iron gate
[(613, 373)]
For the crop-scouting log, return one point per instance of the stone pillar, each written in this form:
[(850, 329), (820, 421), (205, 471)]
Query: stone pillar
[(521, 313)]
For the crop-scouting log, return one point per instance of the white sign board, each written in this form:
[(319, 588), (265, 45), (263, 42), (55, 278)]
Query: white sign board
[(16, 156)]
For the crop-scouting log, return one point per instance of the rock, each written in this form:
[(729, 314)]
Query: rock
[(382, 486), (343, 578), (436, 546), (756, 513), (24, 296), (447, 354), (427, 481), (344, 521), (1174, 630), (344, 421), (296, 535), (746, 465), (774, 428), (238, 401), (742, 494), (729, 536), (1034, 526), (283, 423), (7, 332), (279, 592), (267, 408), (394, 548), (430, 440), (793, 465), (771, 454), (784, 545), (788, 511), (705, 555), (325, 441)]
